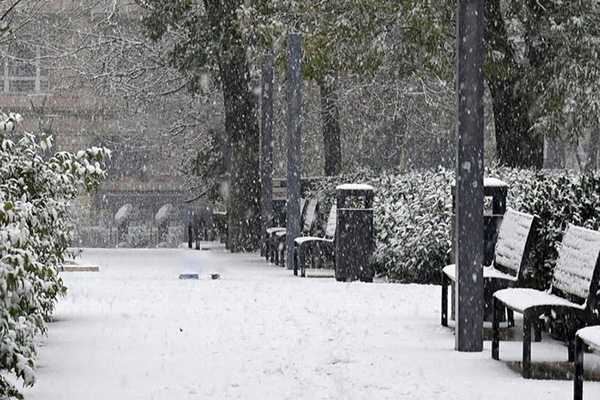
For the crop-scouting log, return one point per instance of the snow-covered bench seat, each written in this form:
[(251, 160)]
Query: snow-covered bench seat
[(324, 246), (572, 296), (515, 236), (590, 337)]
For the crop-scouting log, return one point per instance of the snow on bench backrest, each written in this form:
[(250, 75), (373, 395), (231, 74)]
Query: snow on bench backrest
[(309, 217), (331, 222), (577, 258), (512, 239)]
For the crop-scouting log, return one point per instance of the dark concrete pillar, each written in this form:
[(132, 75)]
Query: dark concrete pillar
[(266, 147), (469, 176), (294, 143)]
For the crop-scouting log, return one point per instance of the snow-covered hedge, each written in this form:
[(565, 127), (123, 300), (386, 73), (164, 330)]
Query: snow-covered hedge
[(36, 187), (412, 220), (559, 199), (413, 216)]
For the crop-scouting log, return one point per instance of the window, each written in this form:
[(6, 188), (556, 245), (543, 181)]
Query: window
[(23, 73)]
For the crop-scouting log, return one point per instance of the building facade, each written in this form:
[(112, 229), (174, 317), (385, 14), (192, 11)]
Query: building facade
[(57, 96)]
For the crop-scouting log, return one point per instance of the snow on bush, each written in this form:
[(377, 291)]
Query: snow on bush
[(36, 188), (412, 220), (558, 199), (413, 214)]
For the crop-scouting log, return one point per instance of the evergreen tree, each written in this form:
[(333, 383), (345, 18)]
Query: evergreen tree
[(206, 38)]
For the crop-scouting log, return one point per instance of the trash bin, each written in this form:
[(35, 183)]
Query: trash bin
[(494, 192), (354, 241)]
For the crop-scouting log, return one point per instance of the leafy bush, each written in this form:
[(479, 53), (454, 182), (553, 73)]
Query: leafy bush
[(413, 214), (35, 231), (559, 199), (138, 236), (412, 220)]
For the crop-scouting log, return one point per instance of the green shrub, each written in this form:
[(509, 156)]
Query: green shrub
[(412, 222), (36, 188), (413, 214), (558, 199)]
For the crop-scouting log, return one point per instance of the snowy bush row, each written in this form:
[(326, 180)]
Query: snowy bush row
[(413, 213), (36, 187), (558, 199), (412, 220)]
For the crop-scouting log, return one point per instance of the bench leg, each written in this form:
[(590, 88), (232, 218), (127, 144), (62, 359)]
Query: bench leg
[(578, 380), (444, 300), (276, 251), (267, 248), (527, 345), (496, 309), (302, 261), (537, 330), (271, 251), (571, 350), (281, 257), (510, 315), (295, 260)]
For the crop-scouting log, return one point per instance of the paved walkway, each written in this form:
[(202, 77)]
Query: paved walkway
[(135, 331)]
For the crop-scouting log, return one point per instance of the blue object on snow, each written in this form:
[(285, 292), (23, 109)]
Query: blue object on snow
[(189, 275)]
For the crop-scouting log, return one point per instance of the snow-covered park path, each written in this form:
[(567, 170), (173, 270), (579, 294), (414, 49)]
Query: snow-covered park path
[(135, 331)]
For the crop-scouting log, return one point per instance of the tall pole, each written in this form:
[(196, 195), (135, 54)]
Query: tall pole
[(469, 176), (294, 143), (266, 146)]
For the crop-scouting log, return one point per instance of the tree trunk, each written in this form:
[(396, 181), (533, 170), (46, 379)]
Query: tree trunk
[(241, 125), (554, 153), (330, 116), (594, 148), (516, 144)]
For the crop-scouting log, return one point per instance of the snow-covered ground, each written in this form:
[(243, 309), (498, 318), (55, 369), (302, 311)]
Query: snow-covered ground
[(135, 331)]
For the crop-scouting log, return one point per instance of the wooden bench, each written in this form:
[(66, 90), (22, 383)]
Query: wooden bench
[(278, 238), (515, 236), (325, 246), (270, 250), (308, 220), (572, 296)]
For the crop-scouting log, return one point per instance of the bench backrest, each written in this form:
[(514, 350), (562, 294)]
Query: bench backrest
[(576, 272), (310, 215), (515, 237), (331, 223)]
